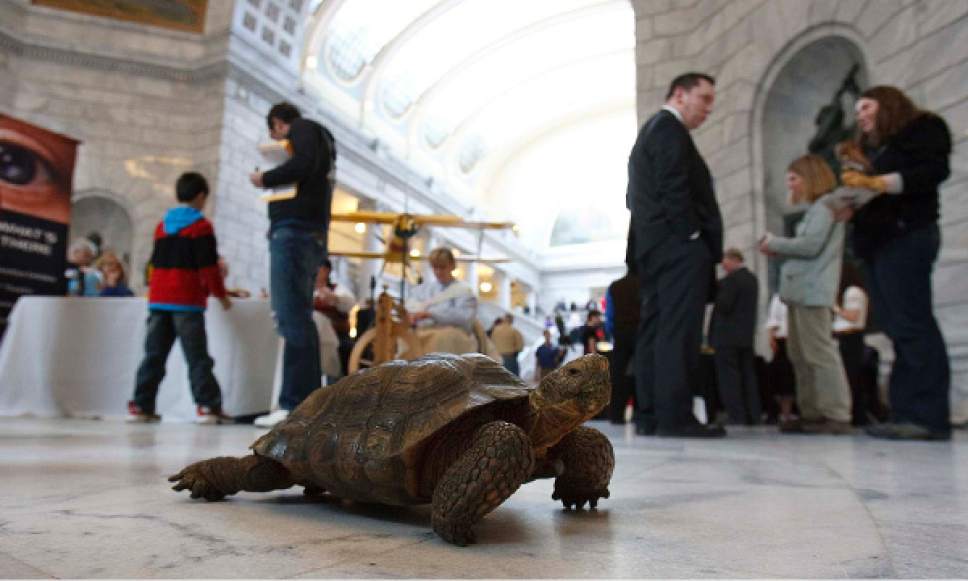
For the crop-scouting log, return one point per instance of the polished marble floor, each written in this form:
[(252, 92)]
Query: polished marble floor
[(85, 498)]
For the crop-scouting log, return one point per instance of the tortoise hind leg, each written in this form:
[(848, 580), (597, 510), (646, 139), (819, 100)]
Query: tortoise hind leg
[(216, 478), (498, 461), (588, 460)]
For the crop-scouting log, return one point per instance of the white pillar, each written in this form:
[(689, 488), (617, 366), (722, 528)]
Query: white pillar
[(503, 281), (369, 267), (430, 243), (471, 277)]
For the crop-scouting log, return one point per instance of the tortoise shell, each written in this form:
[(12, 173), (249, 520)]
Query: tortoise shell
[(363, 438)]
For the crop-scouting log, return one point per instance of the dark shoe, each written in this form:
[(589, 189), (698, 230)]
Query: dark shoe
[(905, 431), (693, 431), (136, 415), (795, 426), (828, 426), (645, 428), (211, 416)]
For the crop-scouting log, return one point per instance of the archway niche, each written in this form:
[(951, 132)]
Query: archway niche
[(814, 77), (107, 217)]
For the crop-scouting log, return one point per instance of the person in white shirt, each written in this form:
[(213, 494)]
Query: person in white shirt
[(780, 375), (332, 304), (850, 320), (443, 309)]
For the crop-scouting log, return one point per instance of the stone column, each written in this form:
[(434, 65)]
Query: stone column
[(471, 277), (429, 243), (502, 282), (371, 243)]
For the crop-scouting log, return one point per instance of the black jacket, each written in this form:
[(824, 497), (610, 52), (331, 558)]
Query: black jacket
[(733, 323), (670, 190), (624, 294), (919, 152), (312, 168)]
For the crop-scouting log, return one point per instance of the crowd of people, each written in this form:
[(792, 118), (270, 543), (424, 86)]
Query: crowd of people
[(818, 379), (821, 372)]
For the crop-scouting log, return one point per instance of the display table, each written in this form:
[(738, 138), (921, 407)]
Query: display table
[(78, 357)]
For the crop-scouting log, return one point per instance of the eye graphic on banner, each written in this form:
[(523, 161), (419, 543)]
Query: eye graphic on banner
[(35, 171)]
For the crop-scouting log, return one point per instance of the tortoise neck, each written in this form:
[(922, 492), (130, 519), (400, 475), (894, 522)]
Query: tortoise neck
[(548, 425)]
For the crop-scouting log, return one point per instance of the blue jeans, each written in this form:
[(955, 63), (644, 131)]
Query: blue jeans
[(294, 257), (189, 328), (899, 281)]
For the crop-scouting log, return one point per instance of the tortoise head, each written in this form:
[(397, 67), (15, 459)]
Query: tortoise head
[(569, 395)]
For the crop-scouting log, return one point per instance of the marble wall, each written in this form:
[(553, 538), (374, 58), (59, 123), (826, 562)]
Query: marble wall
[(145, 107), (920, 46)]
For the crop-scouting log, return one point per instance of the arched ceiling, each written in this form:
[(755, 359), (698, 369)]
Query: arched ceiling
[(452, 85)]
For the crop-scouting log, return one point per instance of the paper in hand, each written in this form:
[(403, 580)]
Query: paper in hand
[(847, 197), (276, 153), (283, 193)]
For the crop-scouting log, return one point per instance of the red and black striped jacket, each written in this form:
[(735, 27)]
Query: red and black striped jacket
[(184, 263)]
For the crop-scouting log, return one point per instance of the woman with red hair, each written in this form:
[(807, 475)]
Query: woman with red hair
[(897, 236)]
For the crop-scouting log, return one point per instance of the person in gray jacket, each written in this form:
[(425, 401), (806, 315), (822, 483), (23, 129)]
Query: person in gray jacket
[(808, 285)]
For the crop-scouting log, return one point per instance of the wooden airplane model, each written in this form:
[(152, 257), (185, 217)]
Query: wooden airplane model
[(405, 226)]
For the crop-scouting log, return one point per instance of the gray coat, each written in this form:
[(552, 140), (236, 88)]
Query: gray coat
[(810, 274)]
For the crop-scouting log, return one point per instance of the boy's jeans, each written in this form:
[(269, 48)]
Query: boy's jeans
[(294, 257), (189, 328)]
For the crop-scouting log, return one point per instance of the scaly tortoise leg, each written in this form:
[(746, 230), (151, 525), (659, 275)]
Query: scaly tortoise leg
[(499, 460), (589, 460), (216, 478)]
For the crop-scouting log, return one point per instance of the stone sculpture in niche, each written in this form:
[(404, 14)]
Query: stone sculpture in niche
[(457, 431), (830, 121)]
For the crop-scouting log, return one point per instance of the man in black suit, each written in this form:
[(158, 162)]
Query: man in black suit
[(676, 237), (731, 335)]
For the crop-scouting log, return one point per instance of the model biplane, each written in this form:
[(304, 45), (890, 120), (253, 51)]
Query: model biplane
[(392, 337), (405, 226)]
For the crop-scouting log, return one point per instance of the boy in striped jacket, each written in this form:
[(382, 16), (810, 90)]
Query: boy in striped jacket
[(184, 272)]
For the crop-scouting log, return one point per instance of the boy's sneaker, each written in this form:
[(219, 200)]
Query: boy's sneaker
[(270, 420), (211, 416), (136, 415)]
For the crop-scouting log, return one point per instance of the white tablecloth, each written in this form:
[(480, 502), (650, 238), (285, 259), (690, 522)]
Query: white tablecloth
[(78, 357)]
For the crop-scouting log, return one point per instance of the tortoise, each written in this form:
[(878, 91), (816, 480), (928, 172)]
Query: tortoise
[(458, 431)]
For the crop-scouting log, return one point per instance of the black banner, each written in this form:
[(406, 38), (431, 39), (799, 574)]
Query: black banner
[(36, 174)]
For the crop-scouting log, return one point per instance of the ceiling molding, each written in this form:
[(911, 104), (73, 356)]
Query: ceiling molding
[(76, 58), (427, 97), (374, 70), (318, 24)]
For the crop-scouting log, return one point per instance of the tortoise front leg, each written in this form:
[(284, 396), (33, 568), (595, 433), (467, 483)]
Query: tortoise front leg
[(498, 461), (589, 460), (216, 478)]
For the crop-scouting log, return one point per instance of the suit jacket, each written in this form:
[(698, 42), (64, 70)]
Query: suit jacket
[(733, 322), (622, 312), (670, 190)]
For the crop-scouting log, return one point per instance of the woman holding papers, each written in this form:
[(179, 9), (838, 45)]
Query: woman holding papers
[(897, 236), (808, 285)]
